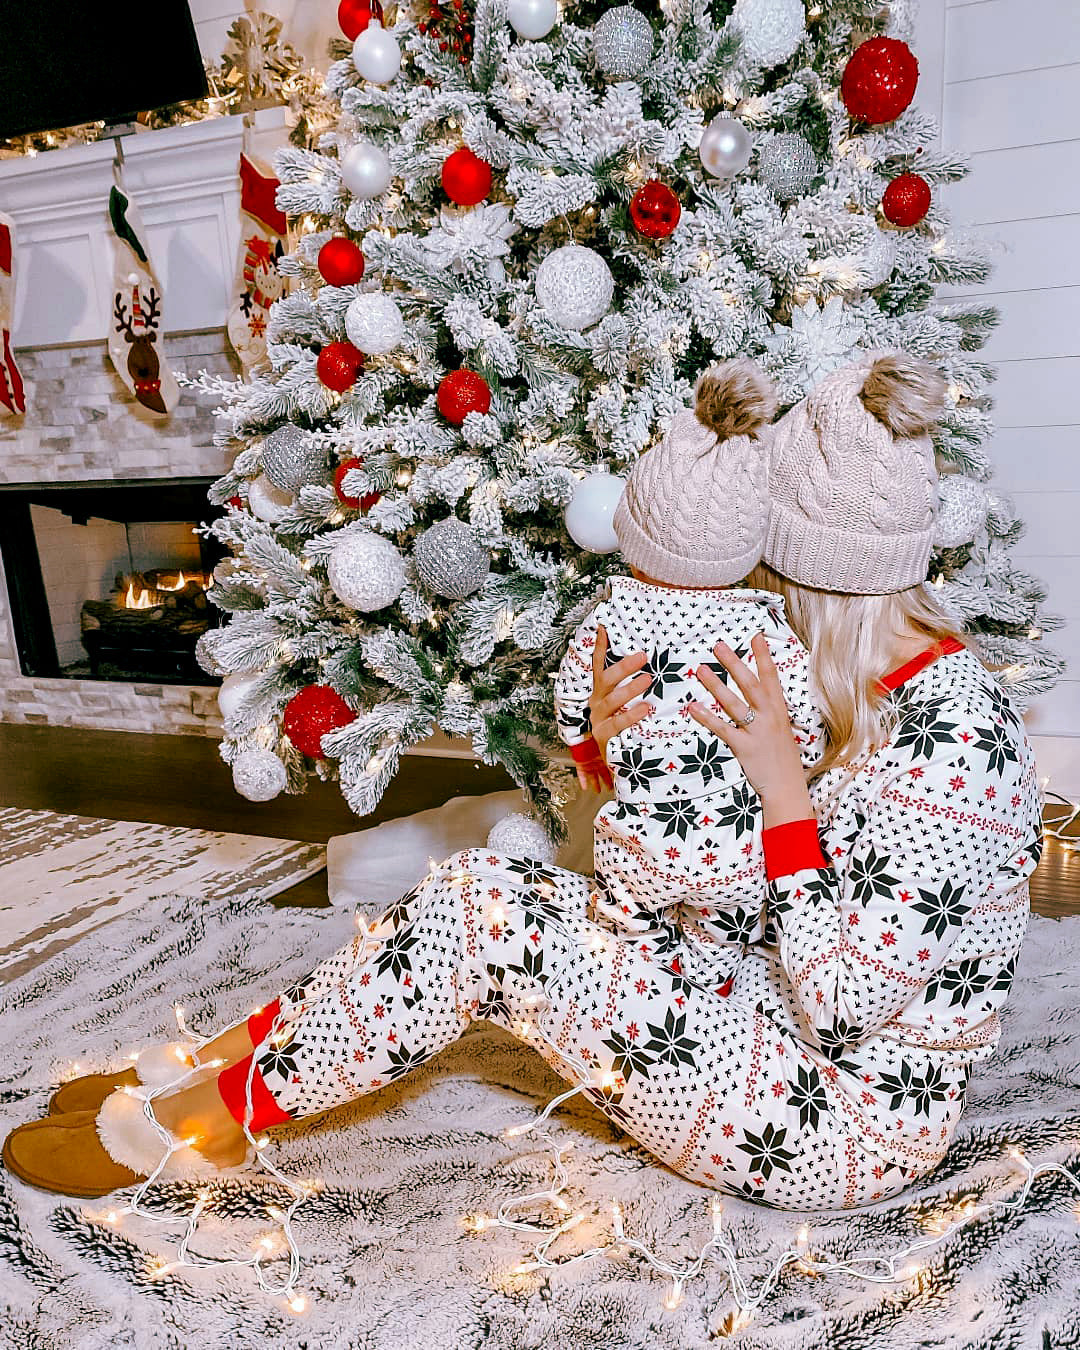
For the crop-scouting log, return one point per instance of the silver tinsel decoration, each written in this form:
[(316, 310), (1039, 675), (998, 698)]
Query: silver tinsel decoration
[(770, 29), (787, 165), (623, 42), (450, 559), (366, 571), (291, 458), (574, 285), (258, 775), (962, 508), (521, 836)]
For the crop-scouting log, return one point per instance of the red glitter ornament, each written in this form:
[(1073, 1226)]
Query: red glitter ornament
[(310, 714), (362, 504), (353, 16), (466, 178), (338, 365), (238, 502), (460, 393), (655, 210), (906, 200), (879, 80), (341, 263)]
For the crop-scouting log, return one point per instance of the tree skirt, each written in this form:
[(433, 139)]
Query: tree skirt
[(387, 1263)]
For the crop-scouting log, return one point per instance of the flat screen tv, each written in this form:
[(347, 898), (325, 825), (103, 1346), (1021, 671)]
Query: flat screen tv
[(63, 62)]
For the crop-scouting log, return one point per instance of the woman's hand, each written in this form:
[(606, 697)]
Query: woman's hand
[(610, 696), (759, 733)]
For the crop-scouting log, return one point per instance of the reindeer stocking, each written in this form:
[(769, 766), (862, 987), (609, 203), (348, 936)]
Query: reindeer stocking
[(135, 327), (12, 402), (257, 284)]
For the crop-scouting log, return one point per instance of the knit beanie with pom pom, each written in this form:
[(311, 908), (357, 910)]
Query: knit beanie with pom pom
[(695, 507), (853, 480)]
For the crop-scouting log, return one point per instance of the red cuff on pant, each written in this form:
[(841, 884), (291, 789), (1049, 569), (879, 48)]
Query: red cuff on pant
[(794, 847), (586, 754), (259, 1023), (232, 1084)]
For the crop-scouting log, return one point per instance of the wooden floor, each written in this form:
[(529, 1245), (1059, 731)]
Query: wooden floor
[(180, 780)]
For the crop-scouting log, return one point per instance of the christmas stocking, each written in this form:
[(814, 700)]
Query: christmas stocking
[(135, 325), (262, 242), (12, 402)]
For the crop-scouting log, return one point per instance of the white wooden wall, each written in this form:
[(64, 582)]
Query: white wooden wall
[(1009, 97)]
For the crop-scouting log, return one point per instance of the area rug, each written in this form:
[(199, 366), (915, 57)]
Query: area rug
[(62, 876), (387, 1263)]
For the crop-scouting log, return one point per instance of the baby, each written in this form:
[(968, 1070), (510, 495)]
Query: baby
[(681, 841)]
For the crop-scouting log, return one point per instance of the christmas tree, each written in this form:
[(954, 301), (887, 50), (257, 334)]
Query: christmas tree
[(533, 226)]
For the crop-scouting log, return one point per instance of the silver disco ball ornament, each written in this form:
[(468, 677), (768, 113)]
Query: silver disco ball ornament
[(450, 559), (374, 323), (623, 42), (962, 508), (787, 165), (771, 30), (291, 459), (574, 285), (366, 571), (258, 775), (725, 146), (521, 836)]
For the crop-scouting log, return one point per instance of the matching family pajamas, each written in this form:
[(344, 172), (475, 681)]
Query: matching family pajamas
[(823, 1067)]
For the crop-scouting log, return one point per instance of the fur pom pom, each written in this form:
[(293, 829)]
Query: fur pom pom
[(735, 398), (904, 394)]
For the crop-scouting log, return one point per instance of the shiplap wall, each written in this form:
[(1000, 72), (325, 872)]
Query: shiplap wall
[(1010, 99)]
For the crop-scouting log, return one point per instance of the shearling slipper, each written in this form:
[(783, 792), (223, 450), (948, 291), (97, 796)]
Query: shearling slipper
[(64, 1155), (156, 1065), (132, 1141)]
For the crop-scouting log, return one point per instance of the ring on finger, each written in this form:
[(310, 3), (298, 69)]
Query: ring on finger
[(743, 722)]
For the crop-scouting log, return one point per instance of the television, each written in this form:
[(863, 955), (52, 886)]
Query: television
[(63, 62)]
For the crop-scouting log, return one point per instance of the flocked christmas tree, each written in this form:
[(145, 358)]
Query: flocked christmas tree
[(532, 227)]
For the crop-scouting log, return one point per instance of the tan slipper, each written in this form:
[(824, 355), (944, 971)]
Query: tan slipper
[(63, 1154), (156, 1066)]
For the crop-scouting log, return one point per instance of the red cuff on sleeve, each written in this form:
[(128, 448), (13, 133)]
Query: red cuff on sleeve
[(232, 1085), (793, 847), (587, 754), (259, 1023)]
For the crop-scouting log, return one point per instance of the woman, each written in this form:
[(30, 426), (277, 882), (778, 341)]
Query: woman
[(829, 1068)]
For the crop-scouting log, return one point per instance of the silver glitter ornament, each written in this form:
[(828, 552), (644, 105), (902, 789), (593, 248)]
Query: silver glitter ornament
[(521, 836), (205, 656), (623, 42), (787, 165), (770, 29), (962, 509), (366, 571), (266, 501), (291, 458), (574, 285), (450, 559), (373, 323), (725, 146), (258, 775)]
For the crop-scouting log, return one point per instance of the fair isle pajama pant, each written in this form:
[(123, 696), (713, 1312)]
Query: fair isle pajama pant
[(714, 1088)]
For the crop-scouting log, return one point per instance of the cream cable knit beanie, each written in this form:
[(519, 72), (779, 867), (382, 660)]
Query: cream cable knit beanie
[(695, 507), (853, 480)]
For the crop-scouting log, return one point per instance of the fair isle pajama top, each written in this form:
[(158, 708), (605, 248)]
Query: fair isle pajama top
[(826, 1069), (683, 834)]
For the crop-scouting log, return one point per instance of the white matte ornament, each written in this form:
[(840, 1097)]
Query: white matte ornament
[(725, 147), (521, 836), (532, 19), (291, 458), (266, 501), (787, 165), (234, 689), (962, 508), (450, 559), (623, 42), (771, 30), (258, 775), (365, 170), (374, 323), (366, 571), (376, 54), (591, 512), (574, 285)]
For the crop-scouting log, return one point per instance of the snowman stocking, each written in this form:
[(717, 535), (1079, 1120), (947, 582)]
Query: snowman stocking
[(12, 401), (262, 242), (135, 325)]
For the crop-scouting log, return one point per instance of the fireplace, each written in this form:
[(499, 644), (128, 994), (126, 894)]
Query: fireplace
[(106, 580)]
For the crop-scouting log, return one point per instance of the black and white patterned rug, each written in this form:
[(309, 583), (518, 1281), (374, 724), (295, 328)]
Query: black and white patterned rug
[(387, 1264)]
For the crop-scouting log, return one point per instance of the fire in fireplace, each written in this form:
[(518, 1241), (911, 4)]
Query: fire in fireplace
[(150, 625)]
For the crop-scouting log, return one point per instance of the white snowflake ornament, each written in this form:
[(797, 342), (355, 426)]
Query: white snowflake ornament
[(817, 342), (470, 237)]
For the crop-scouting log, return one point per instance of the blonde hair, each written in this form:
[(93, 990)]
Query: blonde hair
[(851, 640)]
